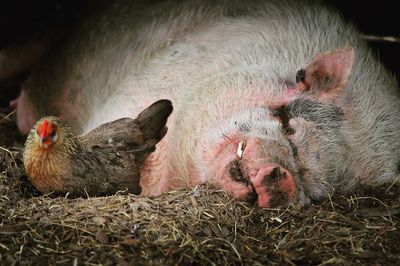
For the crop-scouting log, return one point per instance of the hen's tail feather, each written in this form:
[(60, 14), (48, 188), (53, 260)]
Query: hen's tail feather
[(153, 119)]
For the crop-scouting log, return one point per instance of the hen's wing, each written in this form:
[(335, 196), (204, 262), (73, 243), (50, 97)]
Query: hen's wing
[(153, 119), (152, 122), (104, 171), (114, 151), (138, 136)]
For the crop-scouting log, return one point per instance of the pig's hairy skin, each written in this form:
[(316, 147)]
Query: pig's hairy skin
[(222, 64)]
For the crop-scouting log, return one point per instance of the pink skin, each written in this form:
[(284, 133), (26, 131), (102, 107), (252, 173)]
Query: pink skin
[(154, 172), (26, 117), (288, 94), (330, 70), (224, 153), (267, 190), (237, 190)]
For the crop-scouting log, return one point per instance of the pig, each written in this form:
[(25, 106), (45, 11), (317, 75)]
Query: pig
[(275, 102)]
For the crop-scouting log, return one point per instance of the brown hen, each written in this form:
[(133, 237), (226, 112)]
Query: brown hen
[(101, 162)]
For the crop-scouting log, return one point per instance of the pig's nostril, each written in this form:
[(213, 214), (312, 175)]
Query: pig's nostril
[(275, 174), (284, 175)]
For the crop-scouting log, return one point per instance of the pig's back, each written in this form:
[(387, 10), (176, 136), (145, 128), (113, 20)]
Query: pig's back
[(190, 43), (136, 52)]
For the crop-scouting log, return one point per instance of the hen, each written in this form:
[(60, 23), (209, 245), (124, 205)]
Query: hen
[(101, 162)]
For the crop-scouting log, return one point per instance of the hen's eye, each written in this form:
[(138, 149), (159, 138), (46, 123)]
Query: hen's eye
[(53, 134)]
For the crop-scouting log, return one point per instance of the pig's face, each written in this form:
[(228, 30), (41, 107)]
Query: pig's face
[(254, 160), (270, 154)]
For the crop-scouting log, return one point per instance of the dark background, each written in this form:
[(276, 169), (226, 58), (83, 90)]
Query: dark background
[(378, 18), (21, 18)]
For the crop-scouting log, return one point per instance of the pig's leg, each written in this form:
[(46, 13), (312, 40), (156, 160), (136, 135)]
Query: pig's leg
[(26, 112)]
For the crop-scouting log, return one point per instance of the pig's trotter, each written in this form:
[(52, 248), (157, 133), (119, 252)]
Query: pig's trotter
[(274, 186)]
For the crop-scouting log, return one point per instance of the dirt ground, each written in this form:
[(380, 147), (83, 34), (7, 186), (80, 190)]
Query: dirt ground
[(202, 226)]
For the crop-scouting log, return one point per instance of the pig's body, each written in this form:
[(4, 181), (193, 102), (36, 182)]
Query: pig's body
[(226, 67)]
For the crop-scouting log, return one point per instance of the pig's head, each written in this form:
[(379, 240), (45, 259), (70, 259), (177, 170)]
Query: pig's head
[(253, 160), (271, 154)]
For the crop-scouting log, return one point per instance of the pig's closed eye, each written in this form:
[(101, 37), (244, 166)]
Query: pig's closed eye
[(283, 114), (244, 127)]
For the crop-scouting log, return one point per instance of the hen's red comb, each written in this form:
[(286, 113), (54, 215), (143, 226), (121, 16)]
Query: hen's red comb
[(43, 133)]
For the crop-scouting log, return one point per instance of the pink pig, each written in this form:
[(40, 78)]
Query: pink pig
[(275, 102)]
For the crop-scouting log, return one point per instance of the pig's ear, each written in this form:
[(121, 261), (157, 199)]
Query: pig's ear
[(326, 75)]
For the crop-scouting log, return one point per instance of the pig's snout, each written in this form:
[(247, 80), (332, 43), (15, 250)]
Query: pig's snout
[(274, 185), (256, 170)]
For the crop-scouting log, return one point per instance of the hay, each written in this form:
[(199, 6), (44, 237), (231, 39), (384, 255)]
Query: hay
[(198, 226)]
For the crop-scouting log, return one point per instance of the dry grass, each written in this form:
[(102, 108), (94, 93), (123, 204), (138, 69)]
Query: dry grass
[(199, 226)]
